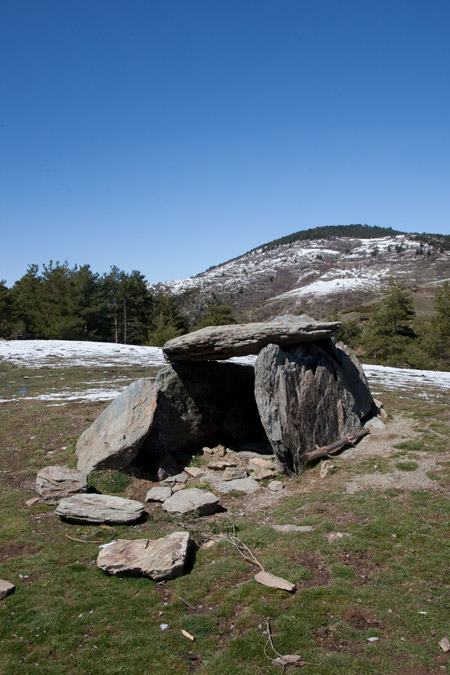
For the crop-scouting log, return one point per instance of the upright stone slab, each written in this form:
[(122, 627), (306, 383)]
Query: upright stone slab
[(308, 395), (223, 342), (115, 438)]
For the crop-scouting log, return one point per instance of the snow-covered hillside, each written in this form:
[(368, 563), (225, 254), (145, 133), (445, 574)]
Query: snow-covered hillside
[(63, 354), (317, 276)]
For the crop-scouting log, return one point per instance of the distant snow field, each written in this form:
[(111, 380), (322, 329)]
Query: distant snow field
[(430, 385)]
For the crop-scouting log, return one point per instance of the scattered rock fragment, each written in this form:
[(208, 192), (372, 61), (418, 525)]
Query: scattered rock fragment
[(246, 485), (234, 473), (178, 478), (293, 528), (157, 559), (6, 589), (335, 536), (272, 581), (165, 467), (222, 464), (158, 494), (276, 486), (33, 500), (194, 471), (374, 423), (192, 499), (93, 508), (56, 482), (444, 644)]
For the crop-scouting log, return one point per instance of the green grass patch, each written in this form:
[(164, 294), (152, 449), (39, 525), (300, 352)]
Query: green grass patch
[(109, 481), (413, 445), (407, 466)]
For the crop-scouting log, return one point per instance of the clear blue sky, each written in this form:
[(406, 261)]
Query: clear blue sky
[(171, 135)]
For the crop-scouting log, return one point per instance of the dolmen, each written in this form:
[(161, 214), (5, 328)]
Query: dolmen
[(304, 390)]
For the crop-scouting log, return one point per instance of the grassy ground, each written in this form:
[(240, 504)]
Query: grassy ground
[(388, 579)]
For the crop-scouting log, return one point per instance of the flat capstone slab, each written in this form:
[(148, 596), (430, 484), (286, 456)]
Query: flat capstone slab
[(192, 499), (93, 508), (158, 494), (224, 342), (157, 559)]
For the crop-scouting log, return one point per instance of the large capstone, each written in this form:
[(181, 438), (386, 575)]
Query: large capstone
[(309, 395), (223, 342)]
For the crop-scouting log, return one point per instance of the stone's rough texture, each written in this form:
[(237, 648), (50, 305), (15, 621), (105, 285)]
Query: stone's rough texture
[(157, 559), (312, 394), (158, 494), (246, 485), (275, 486), (6, 589), (178, 478), (56, 482), (234, 473), (114, 439), (192, 499), (93, 508), (223, 342), (197, 402), (272, 581)]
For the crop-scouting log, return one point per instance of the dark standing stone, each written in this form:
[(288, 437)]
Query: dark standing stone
[(311, 394), (201, 402)]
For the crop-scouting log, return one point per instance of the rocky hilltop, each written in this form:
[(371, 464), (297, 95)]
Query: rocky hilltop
[(316, 272)]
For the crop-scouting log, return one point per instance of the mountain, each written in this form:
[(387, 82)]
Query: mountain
[(318, 271)]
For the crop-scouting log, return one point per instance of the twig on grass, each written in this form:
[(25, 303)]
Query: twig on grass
[(84, 541), (283, 660)]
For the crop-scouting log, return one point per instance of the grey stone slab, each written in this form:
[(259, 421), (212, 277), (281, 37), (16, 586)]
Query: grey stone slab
[(56, 482), (190, 500), (114, 439), (223, 342), (158, 494), (6, 588), (93, 508), (158, 559)]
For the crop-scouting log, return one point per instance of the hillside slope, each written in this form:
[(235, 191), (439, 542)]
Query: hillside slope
[(315, 271)]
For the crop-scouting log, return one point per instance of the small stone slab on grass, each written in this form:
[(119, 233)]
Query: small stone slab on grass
[(192, 499), (158, 494), (293, 528), (178, 478), (93, 508), (6, 588), (246, 485), (157, 559), (234, 473), (56, 482)]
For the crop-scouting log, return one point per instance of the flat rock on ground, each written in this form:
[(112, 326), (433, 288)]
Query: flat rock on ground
[(6, 588), (223, 342), (93, 508), (56, 482), (158, 494), (158, 559), (246, 485), (192, 499)]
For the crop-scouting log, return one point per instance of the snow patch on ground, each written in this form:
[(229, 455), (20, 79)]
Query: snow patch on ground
[(426, 384)]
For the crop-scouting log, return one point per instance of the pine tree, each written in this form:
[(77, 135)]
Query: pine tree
[(168, 322), (390, 330), (216, 315)]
